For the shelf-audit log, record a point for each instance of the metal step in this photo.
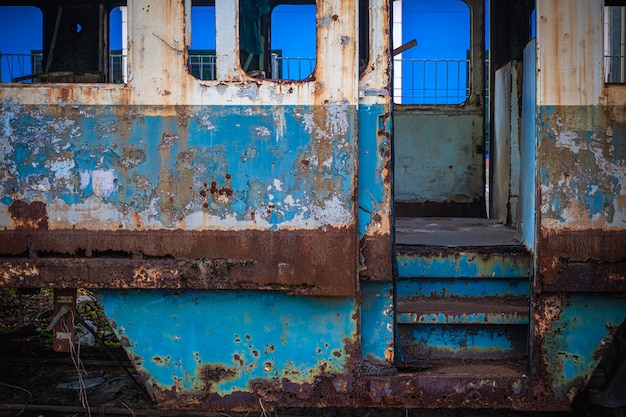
(462, 292)
(462, 312)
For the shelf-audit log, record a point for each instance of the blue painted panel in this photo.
(468, 288)
(582, 150)
(576, 336)
(528, 148)
(377, 321)
(374, 154)
(463, 265)
(270, 165)
(464, 318)
(183, 339)
(431, 341)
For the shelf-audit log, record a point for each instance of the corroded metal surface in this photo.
(286, 351)
(582, 241)
(431, 262)
(569, 336)
(375, 147)
(108, 171)
(149, 183)
(180, 259)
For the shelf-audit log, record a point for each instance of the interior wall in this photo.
(505, 160)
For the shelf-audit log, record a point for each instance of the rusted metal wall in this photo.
(375, 149)
(582, 154)
(251, 183)
(580, 239)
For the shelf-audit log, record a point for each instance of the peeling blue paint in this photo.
(463, 265)
(574, 338)
(377, 316)
(277, 165)
(180, 338)
(373, 157)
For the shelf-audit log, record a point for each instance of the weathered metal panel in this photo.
(375, 148)
(582, 241)
(438, 156)
(470, 288)
(505, 160)
(232, 350)
(459, 263)
(570, 52)
(570, 334)
(168, 153)
(456, 342)
(377, 321)
(89, 179)
(528, 150)
(461, 311)
(200, 349)
(374, 197)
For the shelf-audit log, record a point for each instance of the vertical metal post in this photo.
(63, 324)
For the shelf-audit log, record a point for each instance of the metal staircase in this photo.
(462, 293)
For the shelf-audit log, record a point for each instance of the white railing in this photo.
(292, 68)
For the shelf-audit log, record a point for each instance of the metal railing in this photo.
(292, 68)
(19, 65)
(432, 81)
(423, 81)
(202, 66)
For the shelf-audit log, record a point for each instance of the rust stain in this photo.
(589, 260)
(29, 216)
(179, 259)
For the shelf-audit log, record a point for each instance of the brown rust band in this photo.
(377, 253)
(315, 262)
(590, 260)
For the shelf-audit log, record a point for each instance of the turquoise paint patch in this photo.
(580, 151)
(372, 161)
(464, 265)
(451, 340)
(186, 338)
(583, 325)
(377, 320)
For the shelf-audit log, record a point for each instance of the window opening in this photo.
(437, 69)
(293, 57)
(615, 44)
(201, 53)
(70, 43)
(364, 35)
(21, 43)
(118, 44)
